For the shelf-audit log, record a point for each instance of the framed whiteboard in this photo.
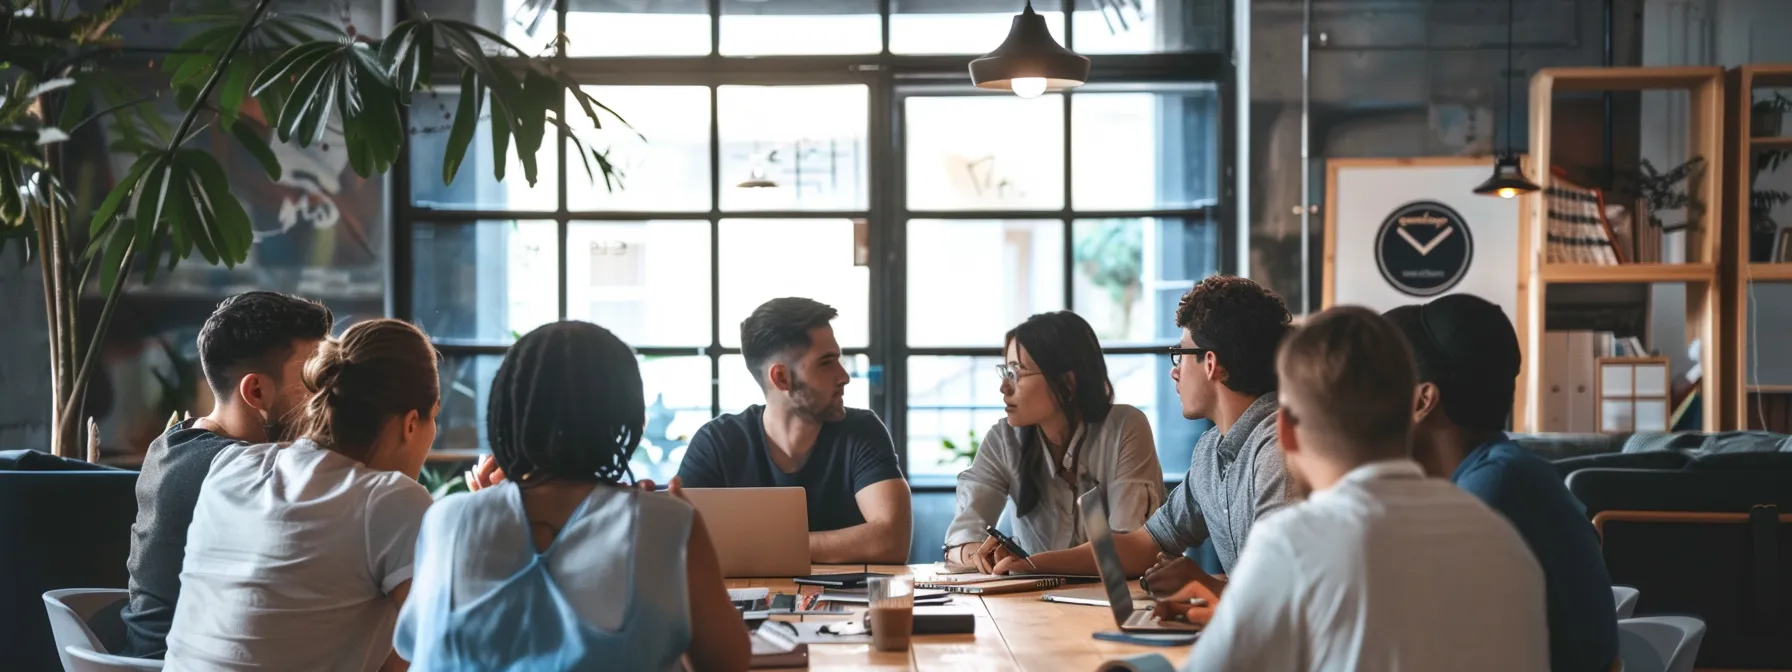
(1403, 231)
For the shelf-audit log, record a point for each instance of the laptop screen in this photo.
(1094, 507)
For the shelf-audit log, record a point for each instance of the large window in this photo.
(829, 149)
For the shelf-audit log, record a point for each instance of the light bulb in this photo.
(1507, 192)
(1028, 87)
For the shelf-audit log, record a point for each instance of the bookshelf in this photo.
(1740, 272)
(1704, 239)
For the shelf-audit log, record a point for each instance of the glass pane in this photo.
(739, 390)
(528, 24)
(646, 281)
(794, 147)
(466, 388)
(1615, 416)
(487, 282)
(1614, 380)
(1136, 150)
(1130, 274)
(677, 393)
(1651, 416)
(958, 26)
(970, 281)
(785, 27)
(1651, 381)
(985, 152)
(1143, 381)
(763, 259)
(637, 27)
(950, 399)
(663, 152)
(473, 187)
(1146, 26)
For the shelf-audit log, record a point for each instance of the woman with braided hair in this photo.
(300, 555)
(555, 563)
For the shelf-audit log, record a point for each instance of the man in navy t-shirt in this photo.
(1468, 359)
(805, 436)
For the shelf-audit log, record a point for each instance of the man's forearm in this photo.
(874, 542)
(1138, 552)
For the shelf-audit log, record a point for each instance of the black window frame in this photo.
(889, 78)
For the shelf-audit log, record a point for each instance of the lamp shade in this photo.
(1508, 179)
(1030, 54)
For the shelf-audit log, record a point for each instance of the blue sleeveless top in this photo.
(609, 593)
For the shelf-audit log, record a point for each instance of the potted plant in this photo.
(303, 74)
(1768, 115)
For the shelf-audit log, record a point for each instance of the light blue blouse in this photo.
(609, 592)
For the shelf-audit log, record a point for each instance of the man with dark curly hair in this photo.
(1225, 372)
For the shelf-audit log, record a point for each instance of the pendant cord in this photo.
(1509, 74)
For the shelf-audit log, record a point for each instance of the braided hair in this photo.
(567, 403)
(377, 370)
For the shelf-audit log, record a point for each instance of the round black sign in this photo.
(1424, 248)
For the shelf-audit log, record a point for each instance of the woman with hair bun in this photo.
(563, 566)
(300, 555)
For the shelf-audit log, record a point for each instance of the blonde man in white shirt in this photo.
(1380, 568)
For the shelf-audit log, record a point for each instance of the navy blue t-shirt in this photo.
(730, 452)
(1583, 622)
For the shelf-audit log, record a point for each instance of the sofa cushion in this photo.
(1661, 459)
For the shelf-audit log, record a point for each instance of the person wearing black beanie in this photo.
(1468, 361)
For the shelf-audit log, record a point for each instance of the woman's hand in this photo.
(484, 475)
(1194, 603)
(674, 487)
(994, 558)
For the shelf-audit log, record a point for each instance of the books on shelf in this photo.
(1576, 230)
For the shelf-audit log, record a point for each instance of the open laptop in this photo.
(758, 532)
(1094, 507)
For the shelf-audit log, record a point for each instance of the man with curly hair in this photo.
(1225, 372)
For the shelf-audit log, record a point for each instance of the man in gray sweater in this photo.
(1224, 370)
(253, 350)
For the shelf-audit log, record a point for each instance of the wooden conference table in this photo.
(1014, 632)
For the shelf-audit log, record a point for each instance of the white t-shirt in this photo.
(290, 558)
(1386, 570)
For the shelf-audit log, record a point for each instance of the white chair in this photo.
(1659, 643)
(73, 612)
(1625, 597)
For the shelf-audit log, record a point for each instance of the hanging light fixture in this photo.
(1030, 62)
(1508, 177)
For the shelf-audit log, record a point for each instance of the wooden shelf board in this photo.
(1770, 144)
(1780, 272)
(1626, 273)
(1775, 76)
(452, 456)
(1628, 79)
(1770, 389)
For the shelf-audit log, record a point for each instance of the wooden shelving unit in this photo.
(1702, 276)
(1739, 271)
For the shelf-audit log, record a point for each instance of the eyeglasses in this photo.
(1012, 372)
(1176, 353)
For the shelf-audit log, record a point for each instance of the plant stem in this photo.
(124, 267)
(54, 325)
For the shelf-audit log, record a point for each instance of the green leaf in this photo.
(500, 143)
(291, 64)
(231, 94)
(258, 148)
(50, 86)
(466, 117)
(109, 207)
(114, 256)
(229, 222)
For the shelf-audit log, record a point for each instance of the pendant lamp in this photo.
(1030, 62)
(1508, 177)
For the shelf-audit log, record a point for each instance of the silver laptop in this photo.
(758, 532)
(1094, 507)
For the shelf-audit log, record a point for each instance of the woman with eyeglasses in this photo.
(1062, 436)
